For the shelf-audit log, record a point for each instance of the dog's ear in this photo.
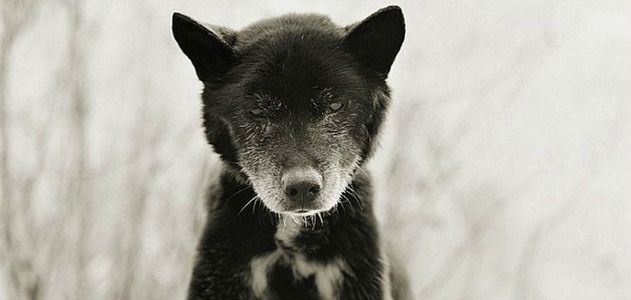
(209, 48)
(376, 40)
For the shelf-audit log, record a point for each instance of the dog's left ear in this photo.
(376, 40)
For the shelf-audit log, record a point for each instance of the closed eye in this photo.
(335, 106)
(257, 112)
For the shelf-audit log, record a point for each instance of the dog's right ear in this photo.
(211, 55)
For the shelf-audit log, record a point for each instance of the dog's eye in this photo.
(257, 112)
(335, 106)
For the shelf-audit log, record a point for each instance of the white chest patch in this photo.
(328, 277)
(259, 268)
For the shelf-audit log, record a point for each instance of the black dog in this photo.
(293, 106)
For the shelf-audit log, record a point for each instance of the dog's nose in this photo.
(302, 185)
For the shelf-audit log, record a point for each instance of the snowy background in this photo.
(504, 170)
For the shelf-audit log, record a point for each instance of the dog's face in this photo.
(294, 102)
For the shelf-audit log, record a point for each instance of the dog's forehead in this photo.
(295, 67)
(296, 61)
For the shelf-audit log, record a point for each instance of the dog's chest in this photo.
(287, 274)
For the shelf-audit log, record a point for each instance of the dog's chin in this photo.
(300, 212)
(314, 209)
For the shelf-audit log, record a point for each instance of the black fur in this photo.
(268, 93)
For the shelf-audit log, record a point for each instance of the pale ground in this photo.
(504, 171)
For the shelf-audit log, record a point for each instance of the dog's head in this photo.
(294, 102)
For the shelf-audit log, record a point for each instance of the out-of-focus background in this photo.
(504, 170)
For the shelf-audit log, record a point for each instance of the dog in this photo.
(293, 106)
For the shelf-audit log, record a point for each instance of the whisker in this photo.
(341, 205)
(346, 200)
(351, 189)
(363, 171)
(246, 204)
(354, 195)
(237, 192)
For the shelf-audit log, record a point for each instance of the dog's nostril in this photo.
(314, 190)
(293, 192)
